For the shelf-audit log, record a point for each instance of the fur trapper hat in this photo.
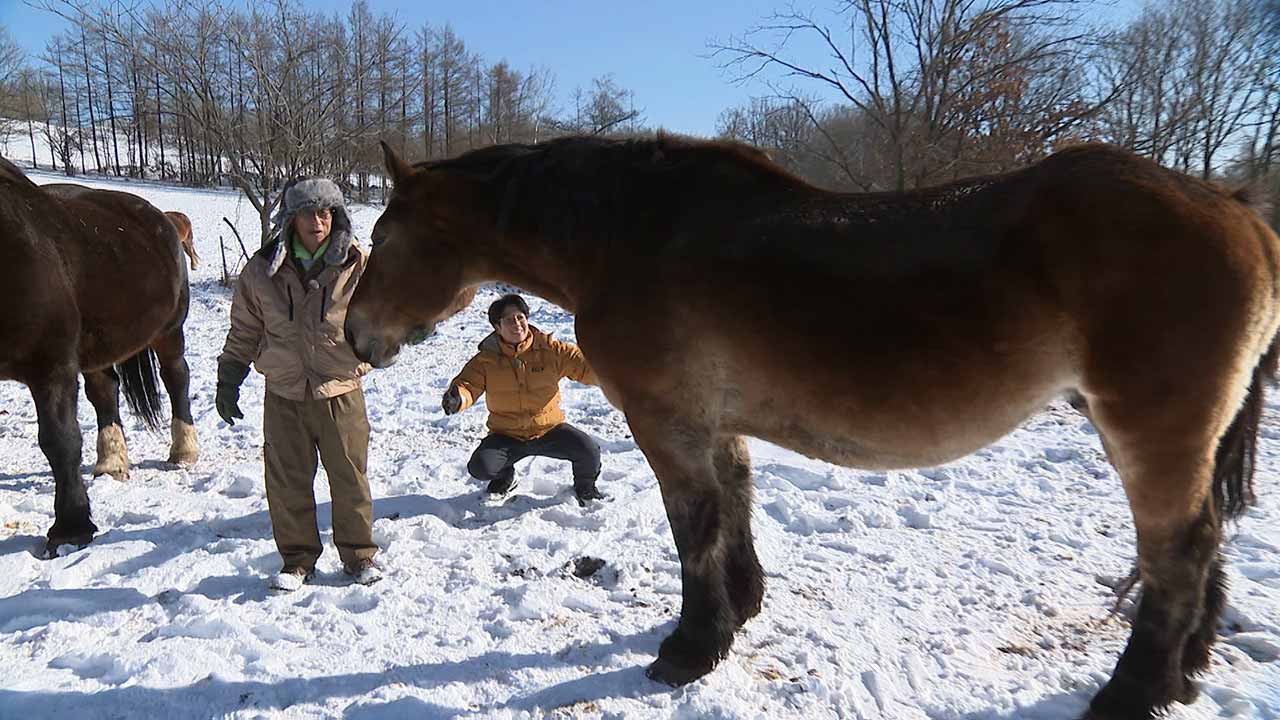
(311, 194)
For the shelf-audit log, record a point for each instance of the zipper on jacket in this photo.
(324, 299)
(289, 289)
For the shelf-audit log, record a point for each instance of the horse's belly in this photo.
(877, 449)
(929, 428)
(105, 341)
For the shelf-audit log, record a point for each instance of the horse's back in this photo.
(900, 330)
(13, 174)
(125, 260)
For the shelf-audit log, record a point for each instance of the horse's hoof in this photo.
(79, 541)
(185, 459)
(185, 448)
(665, 671)
(117, 473)
(1116, 701)
(113, 454)
(1190, 692)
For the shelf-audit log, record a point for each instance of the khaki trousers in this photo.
(293, 432)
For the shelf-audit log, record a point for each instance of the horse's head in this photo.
(419, 269)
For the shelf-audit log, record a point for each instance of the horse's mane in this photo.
(562, 185)
(605, 156)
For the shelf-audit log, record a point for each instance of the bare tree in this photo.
(1190, 78)
(13, 63)
(1143, 67)
(606, 108)
(930, 77)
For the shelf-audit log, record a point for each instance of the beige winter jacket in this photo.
(289, 323)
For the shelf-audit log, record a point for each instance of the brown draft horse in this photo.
(718, 296)
(99, 287)
(183, 225)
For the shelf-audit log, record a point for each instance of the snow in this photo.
(980, 589)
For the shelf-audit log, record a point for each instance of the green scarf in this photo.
(306, 257)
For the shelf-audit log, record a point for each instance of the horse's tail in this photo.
(1237, 455)
(139, 378)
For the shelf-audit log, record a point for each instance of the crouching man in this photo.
(521, 368)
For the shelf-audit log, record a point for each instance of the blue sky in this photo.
(655, 48)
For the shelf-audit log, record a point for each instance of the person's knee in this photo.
(485, 465)
(587, 455)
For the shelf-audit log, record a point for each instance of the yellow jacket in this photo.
(523, 382)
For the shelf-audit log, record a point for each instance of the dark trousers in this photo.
(497, 455)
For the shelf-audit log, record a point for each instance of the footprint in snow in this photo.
(359, 601)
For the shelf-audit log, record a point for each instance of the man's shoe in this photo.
(500, 486)
(587, 491)
(364, 571)
(291, 578)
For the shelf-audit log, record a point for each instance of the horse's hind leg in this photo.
(102, 387)
(681, 457)
(170, 349)
(743, 576)
(1166, 468)
(1195, 655)
(59, 435)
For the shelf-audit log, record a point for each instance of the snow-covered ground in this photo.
(980, 589)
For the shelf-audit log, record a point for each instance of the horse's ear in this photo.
(398, 169)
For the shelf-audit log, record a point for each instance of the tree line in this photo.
(927, 91)
(879, 95)
(206, 92)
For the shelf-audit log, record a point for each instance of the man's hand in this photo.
(227, 398)
(452, 401)
(227, 403)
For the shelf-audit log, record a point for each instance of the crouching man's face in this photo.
(513, 328)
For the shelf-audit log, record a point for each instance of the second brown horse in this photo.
(182, 224)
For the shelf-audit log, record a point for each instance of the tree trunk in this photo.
(88, 85)
(111, 104)
(164, 169)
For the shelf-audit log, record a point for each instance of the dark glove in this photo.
(452, 401)
(227, 399)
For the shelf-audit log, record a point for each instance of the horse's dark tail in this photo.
(139, 378)
(1237, 455)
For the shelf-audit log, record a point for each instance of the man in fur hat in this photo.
(287, 319)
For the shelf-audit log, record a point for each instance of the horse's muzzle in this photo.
(375, 352)
(420, 334)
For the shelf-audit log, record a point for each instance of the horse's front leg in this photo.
(681, 455)
(102, 387)
(59, 436)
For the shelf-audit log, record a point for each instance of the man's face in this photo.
(513, 328)
(312, 226)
